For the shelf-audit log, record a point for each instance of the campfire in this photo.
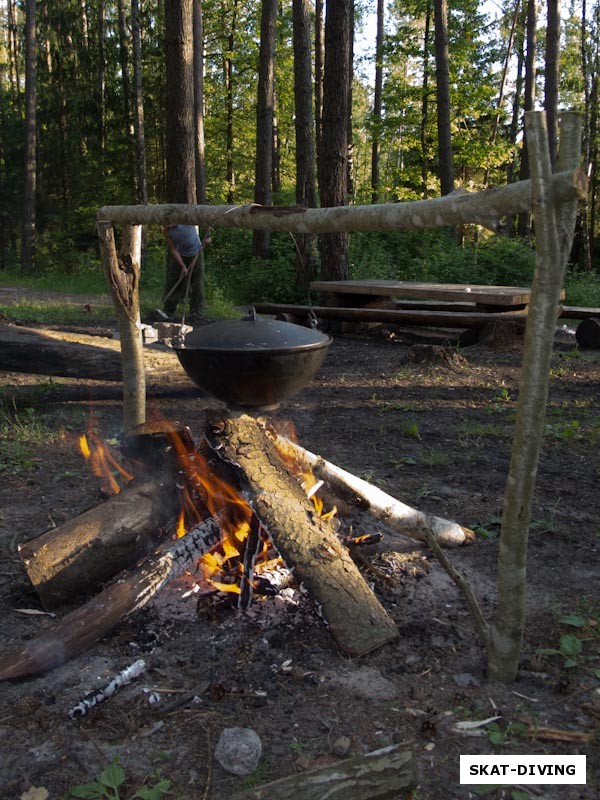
(240, 515)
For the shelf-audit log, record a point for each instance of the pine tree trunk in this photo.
(199, 103)
(442, 73)
(425, 104)
(524, 225)
(377, 105)
(29, 215)
(305, 136)
(551, 75)
(264, 119)
(181, 177)
(319, 68)
(333, 167)
(138, 92)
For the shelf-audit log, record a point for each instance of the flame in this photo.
(102, 462)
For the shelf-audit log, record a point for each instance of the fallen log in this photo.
(321, 564)
(402, 518)
(384, 774)
(44, 353)
(79, 629)
(84, 552)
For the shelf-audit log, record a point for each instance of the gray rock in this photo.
(238, 750)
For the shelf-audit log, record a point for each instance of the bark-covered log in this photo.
(81, 628)
(43, 353)
(442, 319)
(355, 617)
(402, 518)
(90, 549)
(485, 208)
(385, 774)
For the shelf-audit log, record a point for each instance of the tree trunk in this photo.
(551, 73)
(101, 87)
(126, 83)
(425, 104)
(264, 120)
(138, 117)
(181, 178)
(319, 69)
(29, 202)
(524, 225)
(305, 136)
(442, 72)
(333, 168)
(199, 103)
(377, 105)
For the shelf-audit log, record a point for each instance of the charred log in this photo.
(81, 628)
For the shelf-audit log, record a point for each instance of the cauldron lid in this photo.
(253, 333)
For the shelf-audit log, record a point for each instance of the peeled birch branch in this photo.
(402, 518)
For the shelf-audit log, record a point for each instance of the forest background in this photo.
(91, 112)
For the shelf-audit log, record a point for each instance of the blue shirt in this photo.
(186, 239)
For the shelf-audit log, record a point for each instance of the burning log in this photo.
(386, 773)
(321, 564)
(84, 552)
(402, 518)
(89, 623)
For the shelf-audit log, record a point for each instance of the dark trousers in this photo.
(178, 294)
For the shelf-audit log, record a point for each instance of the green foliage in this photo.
(109, 786)
(571, 646)
(21, 434)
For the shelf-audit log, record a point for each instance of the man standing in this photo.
(184, 275)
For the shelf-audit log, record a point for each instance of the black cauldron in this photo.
(252, 363)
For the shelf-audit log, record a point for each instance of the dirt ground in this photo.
(436, 436)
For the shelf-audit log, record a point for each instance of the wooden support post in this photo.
(123, 278)
(507, 632)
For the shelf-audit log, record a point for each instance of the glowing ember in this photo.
(102, 462)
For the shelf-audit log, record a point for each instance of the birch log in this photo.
(402, 518)
(484, 208)
(123, 276)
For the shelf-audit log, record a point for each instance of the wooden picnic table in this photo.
(361, 293)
